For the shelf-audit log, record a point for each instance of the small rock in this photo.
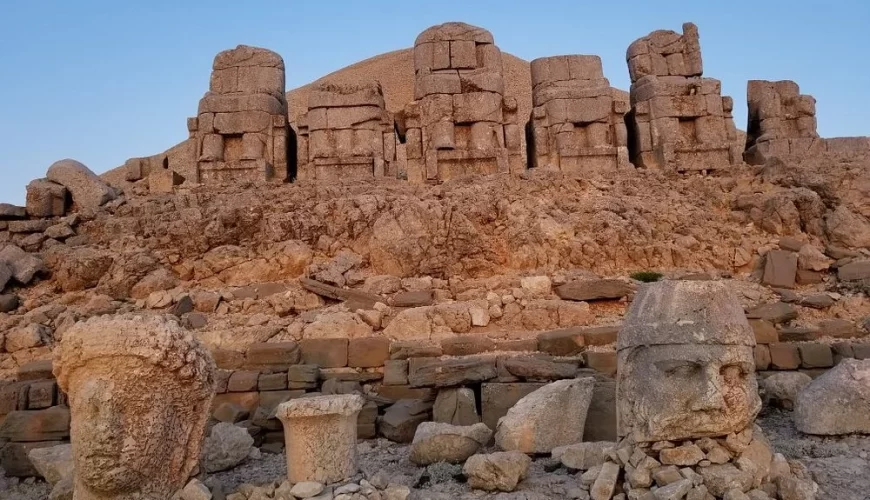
(53, 463)
(605, 483)
(673, 491)
(195, 490)
(781, 389)
(497, 471)
(583, 456)
(226, 447)
(439, 442)
(681, 455)
(8, 302)
(306, 489)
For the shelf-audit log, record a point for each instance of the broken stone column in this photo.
(678, 121)
(578, 120)
(781, 121)
(139, 390)
(320, 437)
(241, 131)
(460, 122)
(346, 134)
(685, 364)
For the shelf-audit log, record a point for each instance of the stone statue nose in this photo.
(711, 397)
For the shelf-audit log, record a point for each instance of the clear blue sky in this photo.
(103, 81)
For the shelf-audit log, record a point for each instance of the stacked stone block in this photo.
(346, 134)
(241, 131)
(578, 120)
(460, 122)
(781, 121)
(678, 120)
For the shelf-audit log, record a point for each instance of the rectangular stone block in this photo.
(272, 381)
(396, 372)
(765, 332)
(463, 54)
(42, 394)
(604, 362)
(276, 356)
(325, 353)
(431, 372)
(368, 352)
(396, 392)
(816, 355)
(39, 425)
(14, 459)
(762, 357)
(247, 401)
(498, 398)
(780, 269)
(35, 370)
(243, 381)
(303, 376)
(437, 83)
(784, 356)
(440, 55)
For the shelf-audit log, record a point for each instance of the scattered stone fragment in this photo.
(500, 471)
(456, 406)
(836, 402)
(596, 289)
(583, 456)
(195, 490)
(54, 463)
(605, 483)
(552, 416)
(226, 447)
(399, 422)
(684, 455)
(306, 489)
(438, 442)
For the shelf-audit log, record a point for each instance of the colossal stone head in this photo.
(685, 364)
(139, 392)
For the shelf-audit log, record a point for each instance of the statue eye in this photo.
(679, 368)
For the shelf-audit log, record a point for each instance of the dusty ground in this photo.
(839, 465)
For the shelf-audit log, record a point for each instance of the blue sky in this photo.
(103, 81)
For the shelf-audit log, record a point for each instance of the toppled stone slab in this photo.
(500, 471)
(776, 312)
(854, 271)
(399, 422)
(12, 212)
(597, 289)
(25, 266)
(439, 442)
(780, 269)
(429, 372)
(583, 456)
(87, 189)
(354, 299)
(552, 416)
(838, 402)
(456, 406)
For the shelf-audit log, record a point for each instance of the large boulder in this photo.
(88, 190)
(781, 389)
(46, 199)
(838, 402)
(500, 471)
(24, 266)
(437, 442)
(226, 447)
(54, 463)
(552, 416)
(80, 268)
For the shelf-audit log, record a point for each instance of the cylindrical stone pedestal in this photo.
(320, 437)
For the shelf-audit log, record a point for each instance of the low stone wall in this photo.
(405, 382)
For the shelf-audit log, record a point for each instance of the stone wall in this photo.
(578, 122)
(678, 119)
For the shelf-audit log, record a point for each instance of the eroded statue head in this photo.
(685, 362)
(139, 391)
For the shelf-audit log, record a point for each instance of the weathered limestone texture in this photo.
(578, 122)
(320, 435)
(130, 441)
(837, 402)
(678, 120)
(241, 131)
(346, 134)
(460, 122)
(685, 363)
(781, 121)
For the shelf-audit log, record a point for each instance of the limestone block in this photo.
(253, 146)
(352, 117)
(489, 57)
(224, 81)
(87, 190)
(440, 55)
(454, 31)
(439, 442)
(320, 436)
(332, 95)
(54, 463)
(477, 107)
(424, 55)
(235, 103)
(437, 83)
(836, 402)
(226, 447)
(780, 269)
(41, 425)
(456, 407)
(463, 54)
(482, 80)
(46, 199)
(242, 122)
(163, 181)
(259, 79)
(552, 416)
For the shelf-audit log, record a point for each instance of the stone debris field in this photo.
(463, 288)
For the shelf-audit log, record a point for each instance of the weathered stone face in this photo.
(128, 440)
(685, 364)
(673, 392)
